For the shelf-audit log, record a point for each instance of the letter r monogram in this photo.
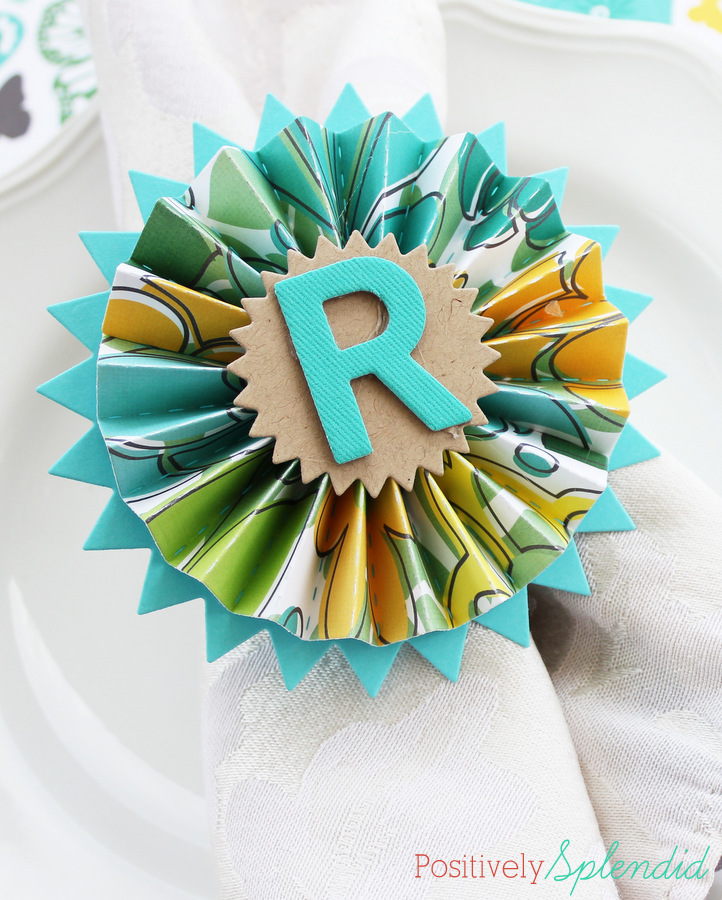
(329, 370)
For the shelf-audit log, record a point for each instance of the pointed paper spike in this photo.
(348, 110)
(149, 188)
(109, 249)
(443, 649)
(274, 118)
(424, 120)
(494, 142)
(296, 657)
(83, 317)
(607, 514)
(557, 181)
(510, 619)
(631, 447)
(118, 528)
(371, 664)
(206, 143)
(74, 389)
(639, 376)
(226, 630)
(165, 586)
(628, 302)
(87, 461)
(566, 573)
(604, 235)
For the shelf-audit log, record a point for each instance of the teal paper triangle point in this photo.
(639, 376)
(629, 303)
(371, 664)
(443, 649)
(86, 461)
(566, 573)
(206, 143)
(118, 528)
(604, 235)
(274, 118)
(226, 630)
(165, 586)
(493, 140)
(510, 619)
(349, 110)
(150, 188)
(109, 249)
(83, 317)
(631, 447)
(557, 181)
(607, 514)
(74, 389)
(296, 657)
(423, 119)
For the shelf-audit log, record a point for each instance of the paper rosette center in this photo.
(363, 363)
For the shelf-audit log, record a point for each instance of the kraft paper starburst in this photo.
(450, 350)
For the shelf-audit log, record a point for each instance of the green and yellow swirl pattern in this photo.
(325, 566)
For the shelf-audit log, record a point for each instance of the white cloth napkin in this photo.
(326, 793)
(166, 64)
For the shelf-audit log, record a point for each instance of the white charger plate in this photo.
(100, 771)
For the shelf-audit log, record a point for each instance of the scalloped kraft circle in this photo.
(165, 585)
(450, 349)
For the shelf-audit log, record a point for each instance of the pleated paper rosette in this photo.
(264, 545)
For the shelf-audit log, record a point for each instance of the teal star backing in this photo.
(119, 528)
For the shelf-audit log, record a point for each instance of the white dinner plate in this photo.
(100, 769)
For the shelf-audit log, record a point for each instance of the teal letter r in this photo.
(330, 370)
